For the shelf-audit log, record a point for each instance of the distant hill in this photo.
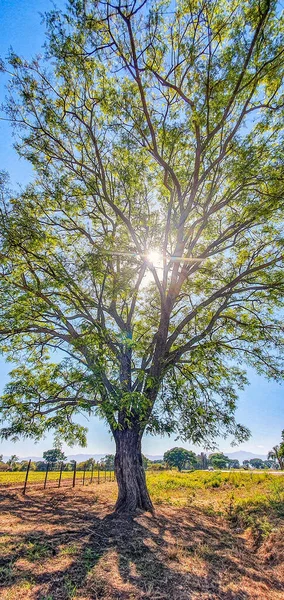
(240, 455)
(77, 457)
(243, 455)
(82, 457)
(154, 456)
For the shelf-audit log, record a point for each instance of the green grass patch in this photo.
(245, 499)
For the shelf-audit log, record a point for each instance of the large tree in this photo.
(142, 267)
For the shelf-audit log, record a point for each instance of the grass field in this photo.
(214, 536)
(247, 499)
(15, 478)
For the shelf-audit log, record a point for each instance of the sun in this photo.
(154, 257)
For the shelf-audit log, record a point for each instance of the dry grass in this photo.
(65, 544)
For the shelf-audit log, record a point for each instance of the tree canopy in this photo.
(12, 460)
(218, 460)
(234, 463)
(54, 455)
(180, 458)
(108, 462)
(257, 463)
(142, 268)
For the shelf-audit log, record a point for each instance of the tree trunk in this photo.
(130, 475)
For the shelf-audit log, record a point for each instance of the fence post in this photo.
(46, 473)
(84, 475)
(60, 474)
(74, 474)
(92, 473)
(26, 478)
(98, 475)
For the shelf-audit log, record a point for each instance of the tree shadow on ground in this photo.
(67, 546)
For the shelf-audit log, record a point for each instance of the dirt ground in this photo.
(65, 544)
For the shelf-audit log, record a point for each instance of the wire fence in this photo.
(56, 475)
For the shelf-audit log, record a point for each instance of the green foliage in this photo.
(257, 463)
(88, 465)
(54, 455)
(146, 462)
(12, 462)
(259, 511)
(180, 458)
(37, 550)
(234, 464)
(157, 466)
(277, 453)
(108, 462)
(147, 129)
(202, 461)
(219, 461)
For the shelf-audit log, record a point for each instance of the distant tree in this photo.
(89, 463)
(12, 461)
(40, 465)
(180, 457)
(246, 464)
(22, 466)
(157, 466)
(271, 464)
(68, 466)
(276, 456)
(4, 466)
(218, 460)
(234, 464)
(1, 457)
(202, 461)
(108, 462)
(277, 452)
(85, 464)
(54, 455)
(146, 462)
(80, 465)
(257, 463)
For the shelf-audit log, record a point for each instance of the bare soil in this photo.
(66, 544)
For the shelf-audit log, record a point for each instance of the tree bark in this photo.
(130, 475)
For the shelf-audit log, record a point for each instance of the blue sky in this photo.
(260, 405)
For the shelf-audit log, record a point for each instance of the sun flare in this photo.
(154, 257)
